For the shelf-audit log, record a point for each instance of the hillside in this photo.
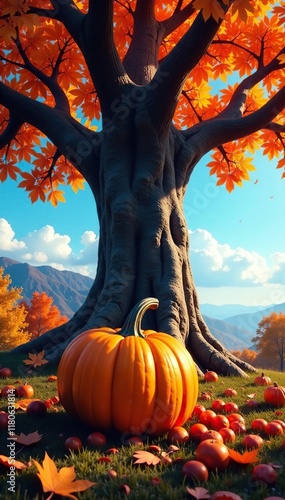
(250, 321)
(69, 290)
(232, 337)
(227, 310)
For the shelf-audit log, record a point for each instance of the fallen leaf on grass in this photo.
(10, 462)
(36, 359)
(60, 482)
(248, 457)
(23, 403)
(145, 457)
(52, 378)
(199, 493)
(27, 439)
(251, 396)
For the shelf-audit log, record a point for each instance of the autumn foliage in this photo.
(40, 59)
(270, 341)
(12, 315)
(42, 314)
(247, 355)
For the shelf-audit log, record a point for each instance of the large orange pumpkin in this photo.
(131, 380)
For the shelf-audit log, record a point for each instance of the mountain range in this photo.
(67, 288)
(233, 325)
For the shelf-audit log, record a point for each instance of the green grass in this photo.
(56, 427)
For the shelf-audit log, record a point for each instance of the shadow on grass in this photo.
(15, 362)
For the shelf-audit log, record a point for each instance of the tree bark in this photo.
(144, 245)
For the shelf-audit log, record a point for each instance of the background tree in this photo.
(247, 355)
(270, 339)
(146, 69)
(12, 315)
(42, 314)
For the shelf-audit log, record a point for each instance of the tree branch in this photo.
(66, 12)
(106, 69)
(220, 130)
(173, 71)
(141, 60)
(14, 125)
(237, 103)
(178, 17)
(50, 81)
(71, 138)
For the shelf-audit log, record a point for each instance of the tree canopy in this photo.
(42, 314)
(231, 72)
(12, 315)
(270, 339)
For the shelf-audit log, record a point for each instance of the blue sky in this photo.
(237, 240)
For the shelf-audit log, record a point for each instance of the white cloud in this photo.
(279, 274)
(8, 243)
(47, 247)
(215, 264)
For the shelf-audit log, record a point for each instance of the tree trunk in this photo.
(144, 245)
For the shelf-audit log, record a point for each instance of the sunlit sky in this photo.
(237, 240)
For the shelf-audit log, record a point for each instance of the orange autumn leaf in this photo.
(145, 457)
(8, 462)
(36, 359)
(27, 439)
(52, 378)
(248, 457)
(60, 482)
(55, 196)
(210, 8)
(23, 403)
(250, 32)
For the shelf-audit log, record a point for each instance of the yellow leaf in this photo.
(281, 58)
(210, 8)
(60, 482)
(55, 196)
(35, 359)
(77, 183)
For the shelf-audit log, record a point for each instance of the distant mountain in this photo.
(67, 288)
(250, 321)
(227, 310)
(70, 289)
(232, 337)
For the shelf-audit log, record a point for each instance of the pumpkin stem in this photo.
(133, 323)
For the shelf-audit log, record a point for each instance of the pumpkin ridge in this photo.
(89, 367)
(131, 404)
(188, 372)
(168, 395)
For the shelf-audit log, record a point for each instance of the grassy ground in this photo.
(56, 426)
